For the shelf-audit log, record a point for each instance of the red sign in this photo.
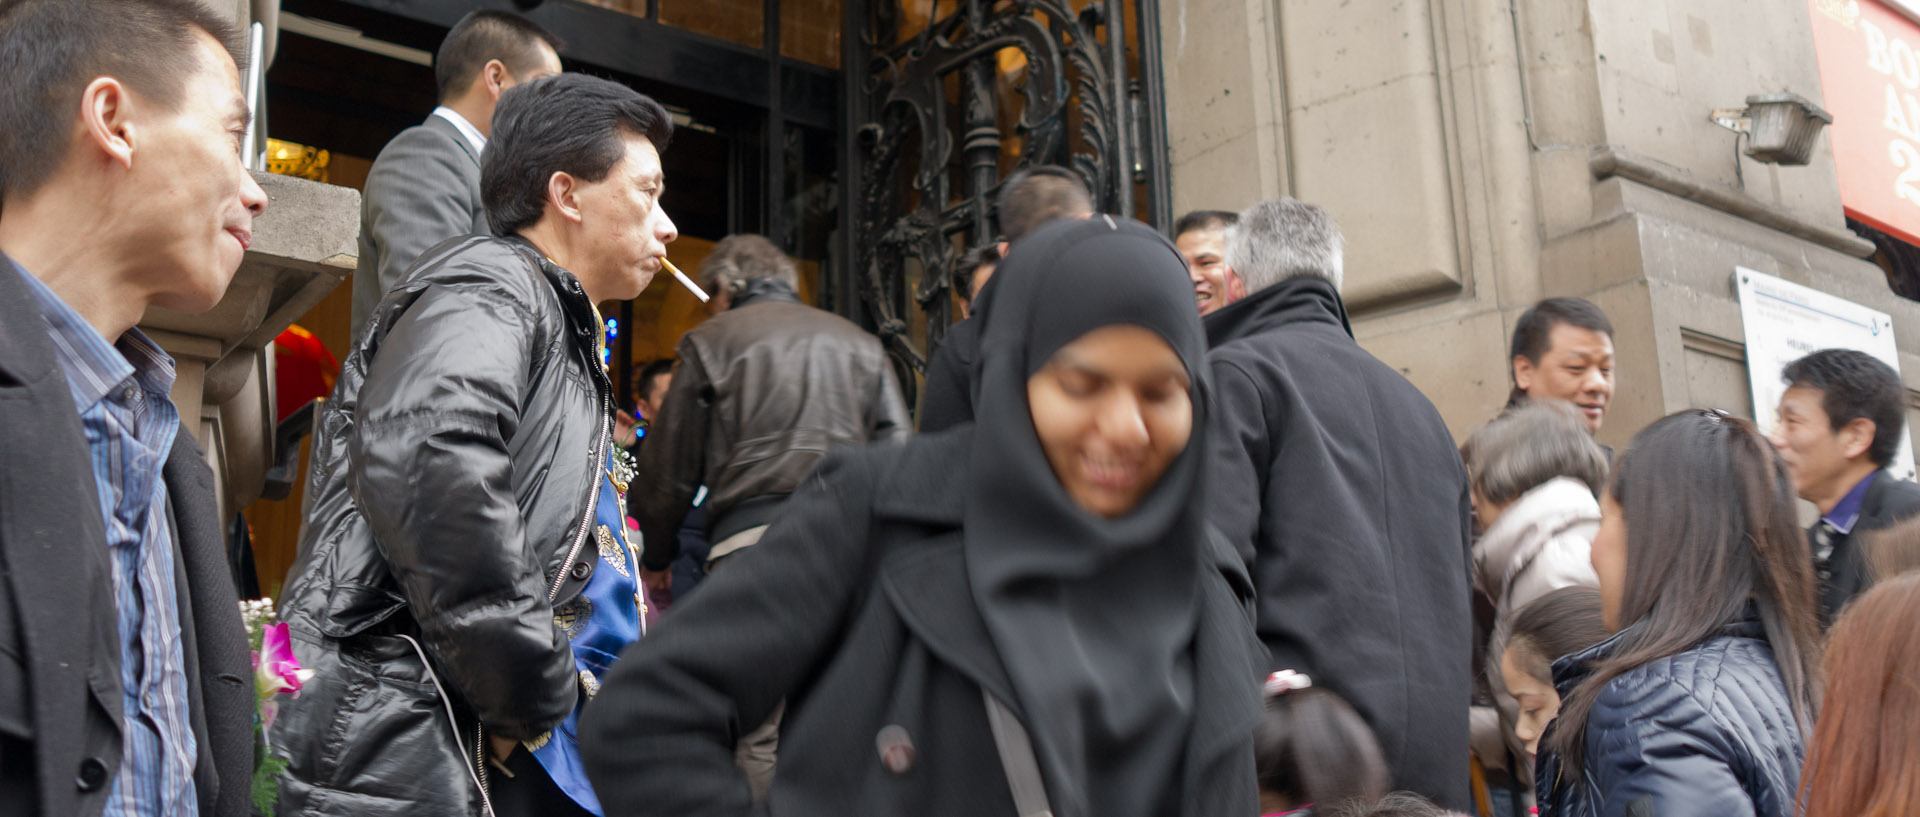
(1870, 70)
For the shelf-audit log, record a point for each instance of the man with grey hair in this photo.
(1340, 486)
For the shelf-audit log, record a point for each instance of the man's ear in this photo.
(106, 113)
(563, 193)
(1523, 372)
(494, 75)
(1856, 437)
(1236, 286)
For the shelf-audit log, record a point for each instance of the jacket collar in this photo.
(766, 289)
(23, 334)
(1874, 507)
(1303, 299)
(1571, 669)
(462, 132)
(583, 321)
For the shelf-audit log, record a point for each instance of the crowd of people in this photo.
(1166, 540)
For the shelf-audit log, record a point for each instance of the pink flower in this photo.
(276, 670)
(279, 670)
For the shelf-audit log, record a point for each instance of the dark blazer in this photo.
(424, 188)
(1342, 489)
(60, 717)
(1707, 732)
(856, 610)
(1888, 501)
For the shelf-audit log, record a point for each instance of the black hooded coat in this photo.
(904, 580)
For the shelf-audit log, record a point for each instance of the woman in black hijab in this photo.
(1025, 614)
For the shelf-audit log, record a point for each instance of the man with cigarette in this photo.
(762, 391)
(465, 576)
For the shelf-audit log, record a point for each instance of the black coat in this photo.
(1707, 732)
(60, 716)
(948, 397)
(1343, 490)
(855, 609)
(1888, 501)
(453, 481)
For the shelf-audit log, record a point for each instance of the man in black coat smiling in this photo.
(1341, 487)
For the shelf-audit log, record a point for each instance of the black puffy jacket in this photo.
(1708, 732)
(453, 480)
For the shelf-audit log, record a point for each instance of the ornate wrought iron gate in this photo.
(929, 122)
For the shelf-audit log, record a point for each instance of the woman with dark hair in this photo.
(1020, 615)
(1700, 702)
(1314, 753)
(1865, 757)
(1559, 623)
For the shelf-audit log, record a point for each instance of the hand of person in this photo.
(502, 748)
(623, 424)
(659, 584)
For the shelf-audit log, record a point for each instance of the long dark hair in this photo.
(1711, 528)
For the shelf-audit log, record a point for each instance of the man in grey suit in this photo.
(424, 187)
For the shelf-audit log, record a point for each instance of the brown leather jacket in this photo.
(760, 393)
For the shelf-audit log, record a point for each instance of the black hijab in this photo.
(1094, 618)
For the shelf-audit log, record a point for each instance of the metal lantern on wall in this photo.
(1780, 128)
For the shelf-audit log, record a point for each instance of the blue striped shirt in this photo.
(121, 393)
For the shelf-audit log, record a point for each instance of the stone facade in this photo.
(1481, 156)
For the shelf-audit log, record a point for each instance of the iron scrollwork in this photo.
(901, 220)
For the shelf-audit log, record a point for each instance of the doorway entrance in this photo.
(867, 138)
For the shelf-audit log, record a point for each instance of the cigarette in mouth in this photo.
(684, 280)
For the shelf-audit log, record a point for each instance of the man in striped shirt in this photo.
(124, 681)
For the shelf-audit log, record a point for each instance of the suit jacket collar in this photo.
(446, 128)
(1300, 300)
(1889, 498)
(22, 330)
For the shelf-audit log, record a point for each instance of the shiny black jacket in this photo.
(453, 480)
(760, 393)
(1707, 732)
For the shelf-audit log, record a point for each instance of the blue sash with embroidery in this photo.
(600, 622)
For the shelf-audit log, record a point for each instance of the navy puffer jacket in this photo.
(1704, 733)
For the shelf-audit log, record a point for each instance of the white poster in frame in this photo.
(1785, 321)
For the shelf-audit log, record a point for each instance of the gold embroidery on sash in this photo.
(612, 553)
(573, 616)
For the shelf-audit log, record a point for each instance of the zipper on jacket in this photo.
(593, 498)
(480, 763)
